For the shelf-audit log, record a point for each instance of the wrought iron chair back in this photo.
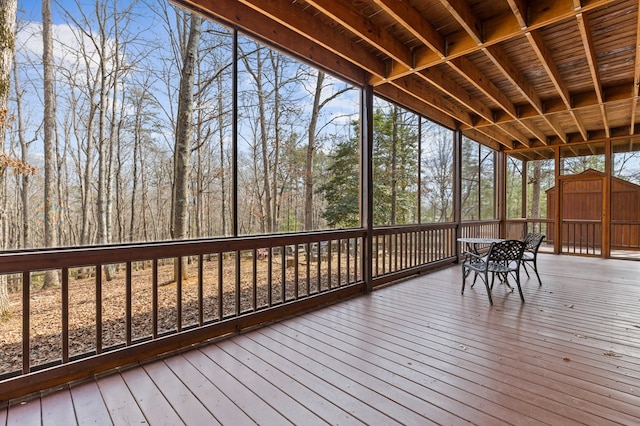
(532, 242)
(502, 259)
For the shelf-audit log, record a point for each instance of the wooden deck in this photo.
(413, 353)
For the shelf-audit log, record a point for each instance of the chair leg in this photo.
(506, 281)
(518, 283)
(464, 279)
(535, 269)
(486, 284)
(524, 265)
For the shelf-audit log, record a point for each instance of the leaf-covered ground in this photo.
(45, 316)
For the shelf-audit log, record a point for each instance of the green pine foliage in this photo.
(395, 173)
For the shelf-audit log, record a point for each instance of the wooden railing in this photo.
(583, 237)
(120, 304)
(405, 250)
(518, 228)
(480, 229)
(625, 234)
(116, 305)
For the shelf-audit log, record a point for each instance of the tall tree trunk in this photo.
(24, 153)
(137, 136)
(7, 46)
(311, 146)
(223, 195)
(50, 234)
(394, 161)
(264, 149)
(277, 112)
(184, 135)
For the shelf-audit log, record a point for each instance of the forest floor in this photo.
(45, 313)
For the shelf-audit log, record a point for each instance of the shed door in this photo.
(581, 216)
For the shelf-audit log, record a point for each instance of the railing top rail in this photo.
(57, 258)
(386, 230)
(479, 222)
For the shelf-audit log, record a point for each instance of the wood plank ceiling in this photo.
(508, 73)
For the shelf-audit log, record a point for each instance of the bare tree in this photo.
(24, 144)
(7, 46)
(50, 219)
(318, 105)
(184, 133)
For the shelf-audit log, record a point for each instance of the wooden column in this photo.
(557, 216)
(500, 188)
(234, 135)
(523, 189)
(606, 200)
(457, 186)
(366, 183)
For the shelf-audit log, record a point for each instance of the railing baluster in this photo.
(26, 340)
(339, 262)
(154, 296)
(270, 277)
(98, 276)
(65, 314)
(318, 265)
(296, 258)
(283, 284)
(238, 283)
(200, 289)
(128, 310)
(254, 286)
(348, 260)
(220, 286)
(329, 260)
(179, 293)
(308, 280)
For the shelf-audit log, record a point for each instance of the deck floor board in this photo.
(417, 352)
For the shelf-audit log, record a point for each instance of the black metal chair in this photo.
(502, 259)
(532, 243)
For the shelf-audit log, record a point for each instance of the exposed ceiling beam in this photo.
(412, 20)
(547, 62)
(426, 94)
(446, 85)
(297, 20)
(254, 22)
(362, 27)
(504, 64)
(519, 9)
(587, 42)
(544, 56)
(498, 29)
(484, 138)
(393, 92)
(475, 77)
(461, 10)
